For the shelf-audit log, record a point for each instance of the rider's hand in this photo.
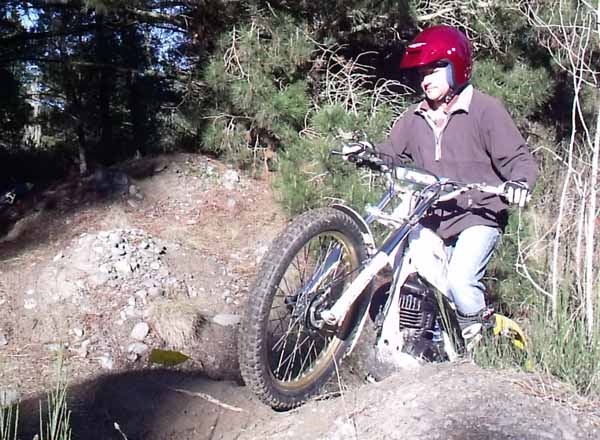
(516, 193)
(356, 148)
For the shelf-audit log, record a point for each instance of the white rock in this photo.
(3, 340)
(58, 257)
(82, 351)
(56, 347)
(227, 320)
(138, 348)
(78, 332)
(140, 331)
(142, 294)
(230, 179)
(98, 279)
(123, 266)
(118, 251)
(132, 312)
(106, 362)
(30, 292)
(154, 292)
(30, 303)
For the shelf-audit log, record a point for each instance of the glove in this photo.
(356, 148)
(516, 193)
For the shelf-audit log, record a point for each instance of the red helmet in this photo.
(441, 44)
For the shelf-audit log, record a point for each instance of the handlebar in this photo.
(370, 158)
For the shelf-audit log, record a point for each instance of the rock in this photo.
(98, 279)
(56, 347)
(142, 295)
(106, 362)
(140, 331)
(139, 348)
(118, 251)
(82, 351)
(260, 252)
(123, 266)
(30, 303)
(132, 312)
(227, 320)
(58, 256)
(154, 292)
(230, 179)
(231, 204)
(3, 339)
(78, 332)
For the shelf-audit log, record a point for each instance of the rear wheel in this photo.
(286, 352)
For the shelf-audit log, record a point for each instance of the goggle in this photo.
(430, 68)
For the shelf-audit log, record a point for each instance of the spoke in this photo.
(291, 291)
(280, 323)
(286, 333)
(283, 349)
(291, 363)
(312, 344)
(293, 353)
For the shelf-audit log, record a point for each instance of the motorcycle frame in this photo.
(387, 254)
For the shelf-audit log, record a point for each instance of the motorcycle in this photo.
(316, 288)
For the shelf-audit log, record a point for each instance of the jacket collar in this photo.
(460, 102)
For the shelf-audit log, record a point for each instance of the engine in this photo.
(418, 306)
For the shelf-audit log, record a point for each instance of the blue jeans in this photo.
(468, 258)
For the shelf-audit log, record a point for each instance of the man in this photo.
(464, 134)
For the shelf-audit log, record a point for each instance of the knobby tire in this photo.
(274, 375)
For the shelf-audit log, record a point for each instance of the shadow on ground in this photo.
(152, 405)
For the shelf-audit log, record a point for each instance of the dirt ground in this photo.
(195, 231)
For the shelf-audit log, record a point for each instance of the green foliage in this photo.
(558, 347)
(257, 95)
(563, 348)
(54, 419)
(310, 176)
(15, 113)
(57, 426)
(522, 88)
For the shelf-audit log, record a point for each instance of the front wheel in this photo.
(286, 352)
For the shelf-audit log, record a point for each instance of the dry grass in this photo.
(177, 322)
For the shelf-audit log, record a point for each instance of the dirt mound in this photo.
(108, 272)
(443, 401)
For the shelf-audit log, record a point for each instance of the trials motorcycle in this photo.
(315, 287)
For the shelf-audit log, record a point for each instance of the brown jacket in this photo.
(479, 143)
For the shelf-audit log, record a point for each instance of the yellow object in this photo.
(507, 327)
